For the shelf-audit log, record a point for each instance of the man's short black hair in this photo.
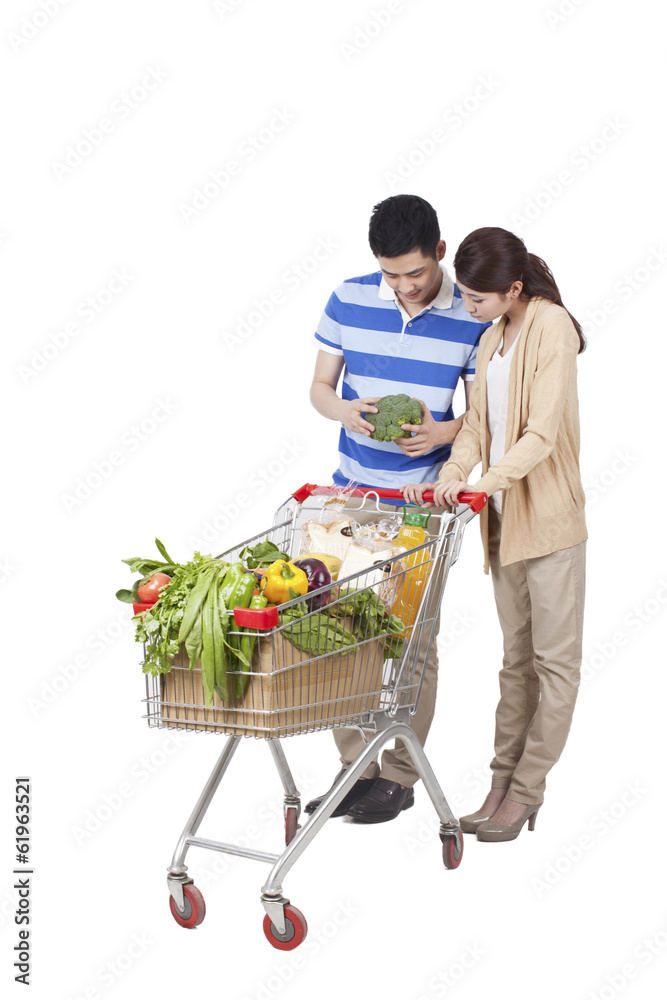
(401, 224)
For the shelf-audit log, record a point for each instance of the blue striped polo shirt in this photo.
(386, 352)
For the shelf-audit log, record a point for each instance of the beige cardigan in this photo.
(543, 498)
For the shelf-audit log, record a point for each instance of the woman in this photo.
(523, 425)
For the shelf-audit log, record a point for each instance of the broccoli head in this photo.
(392, 412)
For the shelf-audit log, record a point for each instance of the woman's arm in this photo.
(467, 449)
(556, 367)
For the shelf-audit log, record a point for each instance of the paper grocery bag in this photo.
(289, 691)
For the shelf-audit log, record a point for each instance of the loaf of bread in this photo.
(333, 538)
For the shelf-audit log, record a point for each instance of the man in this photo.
(402, 329)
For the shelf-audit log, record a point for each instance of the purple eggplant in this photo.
(318, 576)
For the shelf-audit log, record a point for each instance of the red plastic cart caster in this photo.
(194, 908)
(291, 823)
(452, 849)
(296, 929)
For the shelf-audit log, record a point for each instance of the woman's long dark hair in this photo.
(492, 259)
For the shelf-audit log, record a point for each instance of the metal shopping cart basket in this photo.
(371, 681)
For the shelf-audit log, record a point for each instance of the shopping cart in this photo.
(370, 680)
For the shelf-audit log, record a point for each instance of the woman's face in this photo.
(488, 306)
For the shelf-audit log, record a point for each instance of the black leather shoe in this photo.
(359, 788)
(384, 801)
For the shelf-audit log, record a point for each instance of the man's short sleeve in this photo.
(328, 334)
(468, 373)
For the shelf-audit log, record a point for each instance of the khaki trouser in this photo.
(540, 605)
(396, 763)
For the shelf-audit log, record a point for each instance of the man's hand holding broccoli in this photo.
(409, 424)
(351, 412)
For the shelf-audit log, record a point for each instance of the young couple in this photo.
(409, 328)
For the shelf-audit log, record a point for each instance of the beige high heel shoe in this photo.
(496, 832)
(472, 821)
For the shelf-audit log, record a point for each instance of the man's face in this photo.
(415, 278)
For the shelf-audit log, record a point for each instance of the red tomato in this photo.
(149, 590)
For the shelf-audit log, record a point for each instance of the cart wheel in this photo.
(194, 907)
(291, 823)
(452, 851)
(296, 929)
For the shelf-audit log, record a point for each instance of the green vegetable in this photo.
(234, 575)
(240, 597)
(315, 633)
(247, 644)
(159, 627)
(194, 609)
(146, 567)
(196, 600)
(370, 618)
(261, 555)
(213, 663)
(392, 412)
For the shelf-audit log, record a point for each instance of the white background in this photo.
(519, 94)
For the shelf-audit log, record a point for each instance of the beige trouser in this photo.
(540, 606)
(396, 762)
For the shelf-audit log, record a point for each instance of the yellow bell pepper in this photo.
(282, 577)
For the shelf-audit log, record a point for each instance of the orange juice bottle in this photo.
(411, 583)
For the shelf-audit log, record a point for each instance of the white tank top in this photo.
(497, 392)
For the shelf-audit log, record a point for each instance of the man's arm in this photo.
(431, 433)
(326, 401)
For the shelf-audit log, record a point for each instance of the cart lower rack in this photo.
(337, 660)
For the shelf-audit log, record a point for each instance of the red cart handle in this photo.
(476, 501)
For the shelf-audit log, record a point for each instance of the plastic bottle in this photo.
(410, 585)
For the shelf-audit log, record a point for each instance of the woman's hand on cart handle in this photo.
(439, 494)
(449, 491)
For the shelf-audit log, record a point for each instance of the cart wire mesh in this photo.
(340, 665)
